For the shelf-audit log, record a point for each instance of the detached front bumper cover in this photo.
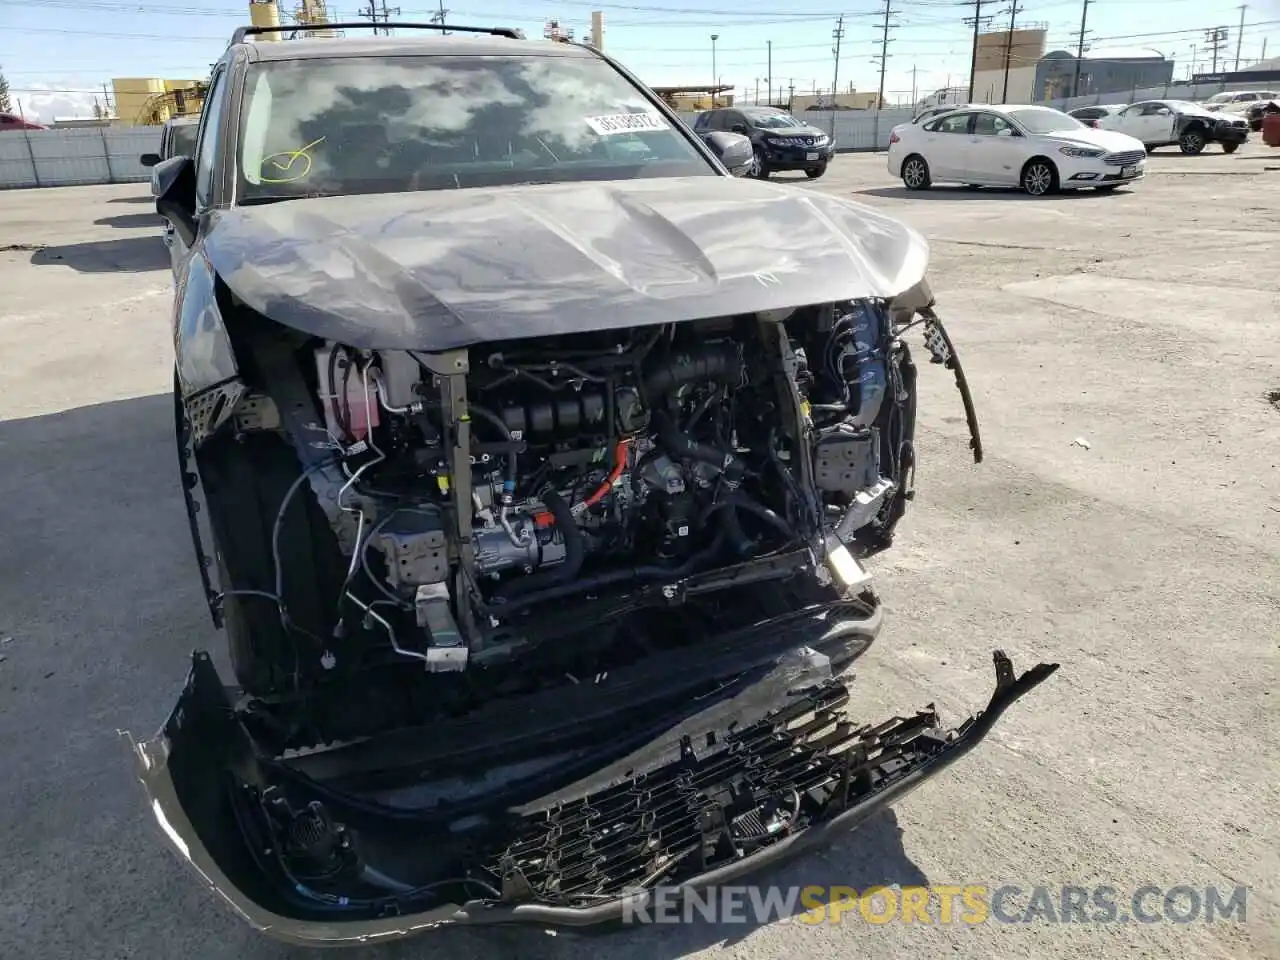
(700, 817)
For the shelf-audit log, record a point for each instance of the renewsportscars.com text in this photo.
(943, 904)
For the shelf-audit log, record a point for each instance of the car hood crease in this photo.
(439, 270)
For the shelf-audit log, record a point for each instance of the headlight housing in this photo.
(1081, 153)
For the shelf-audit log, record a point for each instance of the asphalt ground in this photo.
(1125, 359)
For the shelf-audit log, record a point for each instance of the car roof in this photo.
(181, 121)
(450, 45)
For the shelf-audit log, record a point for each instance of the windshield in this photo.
(772, 121)
(1044, 120)
(182, 140)
(390, 124)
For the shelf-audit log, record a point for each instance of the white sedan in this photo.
(1036, 148)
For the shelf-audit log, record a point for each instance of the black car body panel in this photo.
(1216, 128)
(795, 148)
(674, 788)
(447, 269)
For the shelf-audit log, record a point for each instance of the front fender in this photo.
(209, 381)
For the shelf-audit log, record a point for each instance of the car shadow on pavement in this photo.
(964, 193)
(868, 857)
(143, 199)
(127, 255)
(124, 220)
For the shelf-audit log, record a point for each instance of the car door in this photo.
(945, 141)
(205, 159)
(995, 150)
(1128, 120)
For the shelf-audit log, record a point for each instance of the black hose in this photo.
(574, 553)
(622, 575)
(739, 542)
(492, 418)
(745, 504)
(683, 446)
(713, 361)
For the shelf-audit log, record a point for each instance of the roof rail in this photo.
(241, 33)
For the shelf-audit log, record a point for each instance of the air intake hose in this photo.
(713, 361)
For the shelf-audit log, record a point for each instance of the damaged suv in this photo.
(529, 459)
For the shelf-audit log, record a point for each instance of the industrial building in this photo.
(1005, 63)
(1056, 74)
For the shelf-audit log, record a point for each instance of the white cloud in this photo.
(54, 99)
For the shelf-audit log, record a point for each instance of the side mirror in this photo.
(1004, 132)
(173, 184)
(733, 149)
(740, 128)
(149, 159)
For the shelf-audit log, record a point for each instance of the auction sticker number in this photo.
(627, 123)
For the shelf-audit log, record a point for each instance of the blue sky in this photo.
(57, 52)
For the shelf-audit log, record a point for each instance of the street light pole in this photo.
(769, 95)
(714, 38)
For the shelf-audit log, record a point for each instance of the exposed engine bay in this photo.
(478, 499)
(476, 552)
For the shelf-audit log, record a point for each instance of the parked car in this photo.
(1189, 126)
(177, 139)
(935, 111)
(1091, 115)
(11, 121)
(1037, 148)
(1237, 100)
(780, 141)
(1257, 111)
(529, 458)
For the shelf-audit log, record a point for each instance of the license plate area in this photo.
(1130, 171)
(811, 156)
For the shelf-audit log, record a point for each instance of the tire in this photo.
(1192, 142)
(245, 481)
(1039, 177)
(761, 171)
(813, 173)
(915, 173)
(1230, 147)
(973, 186)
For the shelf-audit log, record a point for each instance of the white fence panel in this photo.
(79, 155)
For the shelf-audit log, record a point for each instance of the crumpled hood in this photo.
(438, 270)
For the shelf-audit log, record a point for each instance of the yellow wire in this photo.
(294, 156)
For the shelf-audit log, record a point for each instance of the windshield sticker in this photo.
(647, 122)
(288, 166)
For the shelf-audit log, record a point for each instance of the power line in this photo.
(837, 34)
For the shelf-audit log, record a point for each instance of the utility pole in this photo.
(769, 44)
(715, 81)
(837, 34)
(439, 17)
(757, 91)
(1216, 38)
(1240, 33)
(1084, 19)
(973, 60)
(386, 15)
(884, 50)
(791, 94)
(1014, 10)
(913, 85)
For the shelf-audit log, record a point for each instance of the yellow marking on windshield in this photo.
(286, 160)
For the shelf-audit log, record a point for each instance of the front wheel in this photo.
(813, 173)
(915, 173)
(760, 166)
(1192, 142)
(1230, 147)
(1039, 178)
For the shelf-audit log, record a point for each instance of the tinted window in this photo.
(182, 140)
(387, 124)
(702, 121)
(1045, 120)
(953, 123)
(990, 125)
(207, 152)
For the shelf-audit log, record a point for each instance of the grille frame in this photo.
(1124, 158)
